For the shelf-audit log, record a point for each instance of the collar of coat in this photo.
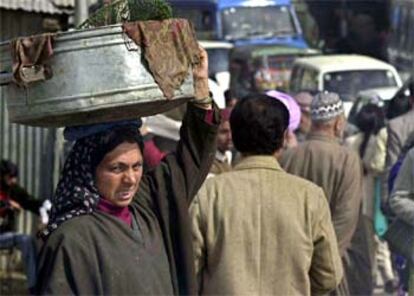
(258, 161)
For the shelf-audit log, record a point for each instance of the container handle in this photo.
(129, 43)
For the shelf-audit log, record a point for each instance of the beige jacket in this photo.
(338, 170)
(260, 231)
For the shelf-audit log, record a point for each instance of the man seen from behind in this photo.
(258, 230)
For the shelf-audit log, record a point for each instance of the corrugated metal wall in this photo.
(34, 150)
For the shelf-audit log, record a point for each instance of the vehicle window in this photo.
(295, 79)
(202, 19)
(309, 80)
(349, 83)
(259, 22)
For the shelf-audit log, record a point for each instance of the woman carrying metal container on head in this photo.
(115, 229)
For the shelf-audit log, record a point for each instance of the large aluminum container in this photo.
(99, 75)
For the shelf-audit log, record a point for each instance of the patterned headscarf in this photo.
(76, 193)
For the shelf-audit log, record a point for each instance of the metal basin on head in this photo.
(99, 75)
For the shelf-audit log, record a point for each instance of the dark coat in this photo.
(93, 254)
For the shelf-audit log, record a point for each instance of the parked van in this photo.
(346, 75)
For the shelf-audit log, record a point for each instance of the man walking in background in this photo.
(14, 198)
(322, 160)
(304, 100)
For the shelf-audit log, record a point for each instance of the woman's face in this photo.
(119, 173)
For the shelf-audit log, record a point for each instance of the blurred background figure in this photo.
(370, 143)
(399, 129)
(304, 100)
(231, 100)
(224, 154)
(13, 199)
(402, 205)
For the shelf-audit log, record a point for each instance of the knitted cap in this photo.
(326, 106)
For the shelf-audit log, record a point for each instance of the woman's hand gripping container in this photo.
(97, 75)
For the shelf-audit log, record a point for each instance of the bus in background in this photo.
(401, 41)
(243, 22)
(266, 36)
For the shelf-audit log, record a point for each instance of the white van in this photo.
(345, 74)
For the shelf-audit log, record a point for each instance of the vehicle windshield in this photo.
(349, 83)
(257, 22)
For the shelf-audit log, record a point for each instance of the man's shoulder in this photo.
(222, 178)
(402, 121)
(242, 177)
(320, 147)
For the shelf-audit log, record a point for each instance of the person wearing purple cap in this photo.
(117, 230)
(294, 116)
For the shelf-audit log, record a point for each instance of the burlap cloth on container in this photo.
(30, 56)
(170, 48)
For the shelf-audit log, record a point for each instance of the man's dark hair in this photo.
(258, 123)
(7, 168)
